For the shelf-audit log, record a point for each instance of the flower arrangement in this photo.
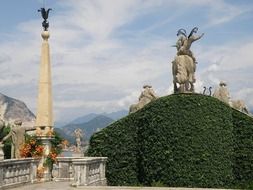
(51, 158)
(32, 148)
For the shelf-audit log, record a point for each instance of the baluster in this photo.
(14, 173)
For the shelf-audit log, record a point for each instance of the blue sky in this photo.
(104, 51)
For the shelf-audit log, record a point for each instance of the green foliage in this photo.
(179, 140)
(117, 142)
(57, 143)
(243, 147)
(7, 143)
(189, 143)
(157, 184)
(56, 149)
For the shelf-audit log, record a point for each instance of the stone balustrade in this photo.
(18, 171)
(86, 171)
(63, 170)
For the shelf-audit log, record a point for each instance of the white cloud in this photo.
(94, 71)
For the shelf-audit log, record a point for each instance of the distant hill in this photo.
(93, 125)
(89, 123)
(61, 132)
(113, 115)
(12, 109)
(84, 118)
(116, 115)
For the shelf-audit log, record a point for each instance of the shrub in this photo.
(118, 143)
(185, 140)
(243, 149)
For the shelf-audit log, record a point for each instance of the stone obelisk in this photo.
(44, 108)
(44, 119)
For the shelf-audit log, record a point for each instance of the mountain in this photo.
(84, 118)
(65, 136)
(116, 115)
(113, 115)
(12, 109)
(95, 124)
(89, 123)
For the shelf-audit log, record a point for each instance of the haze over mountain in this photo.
(12, 109)
(116, 115)
(89, 123)
(84, 118)
(113, 115)
(89, 127)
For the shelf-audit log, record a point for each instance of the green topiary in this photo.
(178, 140)
(117, 142)
(188, 142)
(243, 149)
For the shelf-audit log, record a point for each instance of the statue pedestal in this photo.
(44, 171)
(1, 152)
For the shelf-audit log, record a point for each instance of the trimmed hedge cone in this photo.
(183, 140)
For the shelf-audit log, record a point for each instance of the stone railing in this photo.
(18, 171)
(86, 171)
(63, 170)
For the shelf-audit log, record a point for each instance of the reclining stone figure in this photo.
(147, 95)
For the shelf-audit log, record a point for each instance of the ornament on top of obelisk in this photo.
(45, 14)
(44, 119)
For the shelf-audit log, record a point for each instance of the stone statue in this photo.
(239, 105)
(184, 64)
(187, 42)
(222, 93)
(45, 14)
(147, 95)
(78, 134)
(17, 135)
(181, 33)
